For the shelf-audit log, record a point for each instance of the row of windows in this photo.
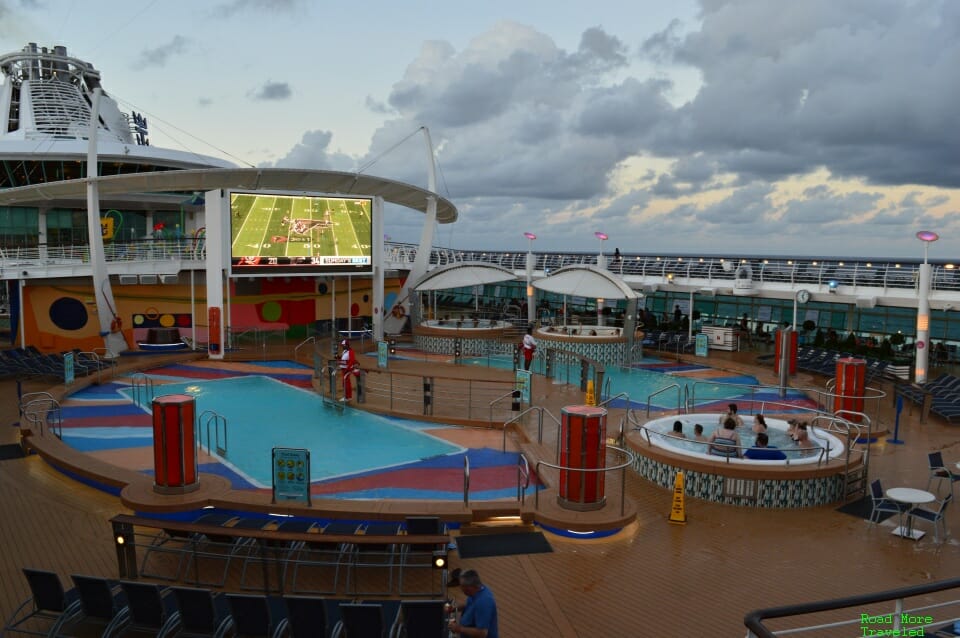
(722, 310)
(20, 226)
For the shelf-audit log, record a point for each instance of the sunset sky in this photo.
(815, 128)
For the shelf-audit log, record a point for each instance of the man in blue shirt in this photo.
(479, 619)
(763, 452)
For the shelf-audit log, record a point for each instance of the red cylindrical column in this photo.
(174, 444)
(793, 352)
(850, 386)
(583, 444)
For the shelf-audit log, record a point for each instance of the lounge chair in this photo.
(309, 616)
(255, 616)
(420, 619)
(102, 602)
(374, 558)
(152, 609)
(203, 614)
(939, 471)
(48, 605)
(316, 560)
(368, 619)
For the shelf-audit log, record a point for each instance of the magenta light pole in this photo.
(531, 307)
(923, 310)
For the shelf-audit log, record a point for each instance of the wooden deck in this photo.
(653, 578)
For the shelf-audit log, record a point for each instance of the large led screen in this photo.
(282, 234)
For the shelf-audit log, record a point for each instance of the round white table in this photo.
(912, 497)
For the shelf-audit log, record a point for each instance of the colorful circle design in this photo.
(355, 310)
(138, 320)
(151, 313)
(167, 321)
(271, 311)
(68, 313)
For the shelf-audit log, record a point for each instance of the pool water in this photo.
(263, 413)
(639, 383)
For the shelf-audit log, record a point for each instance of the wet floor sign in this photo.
(678, 514)
(591, 396)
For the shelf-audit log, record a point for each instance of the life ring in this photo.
(398, 312)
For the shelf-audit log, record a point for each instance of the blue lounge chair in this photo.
(203, 614)
(421, 619)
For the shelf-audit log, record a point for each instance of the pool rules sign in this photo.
(291, 475)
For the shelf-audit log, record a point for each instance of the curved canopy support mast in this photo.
(111, 325)
(394, 320)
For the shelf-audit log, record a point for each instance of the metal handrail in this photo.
(523, 478)
(466, 481)
(301, 344)
(726, 459)
(216, 419)
(756, 629)
(661, 391)
(141, 382)
(496, 401)
(40, 408)
(622, 467)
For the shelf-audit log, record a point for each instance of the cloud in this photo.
(312, 152)
(159, 56)
(861, 88)
(273, 91)
(230, 9)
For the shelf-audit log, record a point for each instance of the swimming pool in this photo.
(639, 382)
(263, 413)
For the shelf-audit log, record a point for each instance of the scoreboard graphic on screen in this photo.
(284, 234)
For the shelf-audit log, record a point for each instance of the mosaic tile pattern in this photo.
(447, 345)
(768, 493)
(609, 353)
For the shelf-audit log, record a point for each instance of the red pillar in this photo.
(583, 444)
(174, 444)
(850, 385)
(792, 352)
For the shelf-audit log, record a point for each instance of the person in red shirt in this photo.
(348, 362)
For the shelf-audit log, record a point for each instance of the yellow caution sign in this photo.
(591, 397)
(678, 513)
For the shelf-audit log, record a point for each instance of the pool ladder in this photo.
(141, 389)
(207, 419)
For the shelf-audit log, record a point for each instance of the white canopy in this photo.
(463, 274)
(586, 281)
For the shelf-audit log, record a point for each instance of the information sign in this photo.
(383, 348)
(68, 372)
(291, 475)
(524, 383)
(702, 344)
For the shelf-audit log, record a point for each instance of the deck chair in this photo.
(420, 619)
(270, 552)
(203, 614)
(934, 516)
(309, 616)
(178, 544)
(882, 504)
(940, 472)
(212, 548)
(255, 616)
(418, 557)
(152, 609)
(48, 605)
(316, 568)
(373, 559)
(366, 620)
(102, 602)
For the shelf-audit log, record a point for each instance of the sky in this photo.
(720, 127)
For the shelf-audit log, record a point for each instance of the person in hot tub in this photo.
(763, 452)
(731, 414)
(724, 441)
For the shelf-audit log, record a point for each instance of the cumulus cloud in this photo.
(859, 93)
(273, 91)
(158, 56)
(313, 152)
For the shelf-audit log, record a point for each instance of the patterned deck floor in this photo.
(653, 579)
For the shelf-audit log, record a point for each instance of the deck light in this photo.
(440, 559)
